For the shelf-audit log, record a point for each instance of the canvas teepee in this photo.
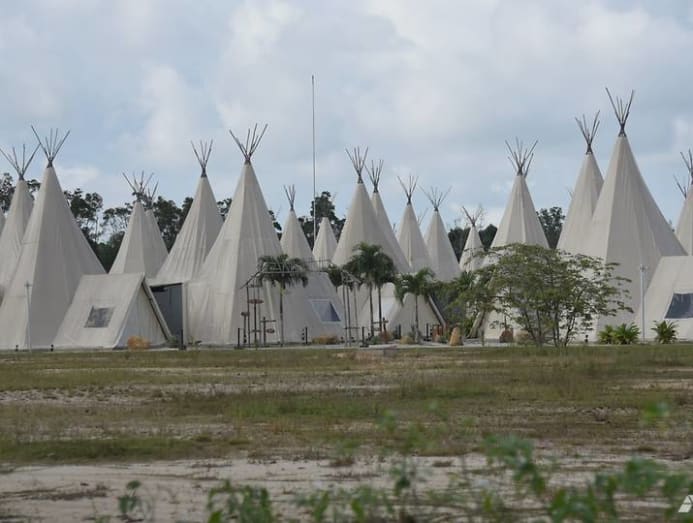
(670, 296)
(158, 244)
(138, 252)
(393, 248)
(409, 235)
(684, 227)
(471, 259)
(627, 226)
(361, 224)
(53, 258)
(17, 218)
(199, 231)
(440, 251)
(323, 311)
(325, 244)
(520, 223)
(219, 301)
(109, 309)
(585, 196)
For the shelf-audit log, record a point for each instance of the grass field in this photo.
(77, 407)
(313, 404)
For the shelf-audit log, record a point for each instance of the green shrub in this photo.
(626, 334)
(606, 335)
(665, 331)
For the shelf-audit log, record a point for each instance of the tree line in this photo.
(104, 228)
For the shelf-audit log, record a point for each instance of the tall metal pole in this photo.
(27, 285)
(315, 195)
(642, 300)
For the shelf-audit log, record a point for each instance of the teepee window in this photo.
(681, 307)
(325, 311)
(99, 317)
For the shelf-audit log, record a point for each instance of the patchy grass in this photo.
(122, 406)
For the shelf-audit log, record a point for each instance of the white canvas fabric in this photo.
(109, 309)
(359, 227)
(323, 312)
(13, 232)
(195, 239)
(216, 298)
(411, 241)
(138, 251)
(325, 244)
(53, 258)
(684, 227)
(394, 250)
(584, 200)
(440, 251)
(470, 261)
(520, 223)
(158, 245)
(669, 296)
(627, 226)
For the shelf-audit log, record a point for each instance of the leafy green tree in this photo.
(224, 206)
(551, 294)
(325, 207)
(168, 216)
(487, 234)
(374, 269)
(552, 222)
(86, 208)
(283, 272)
(418, 284)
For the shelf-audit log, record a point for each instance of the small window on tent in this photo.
(680, 307)
(99, 317)
(325, 311)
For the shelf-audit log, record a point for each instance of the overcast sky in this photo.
(434, 88)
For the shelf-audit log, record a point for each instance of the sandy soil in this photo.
(177, 490)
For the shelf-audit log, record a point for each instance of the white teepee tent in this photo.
(138, 251)
(17, 218)
(440, 251)
(361, 225)
(520, 223)
(158, 244)
(684, 227)
(585, 196)
(109, 309)
(670, 296)
(409, 235)
(221, 306)
(471, 260)
(199, 231)
(393, 248)
(53, 258)
(325, 244)
(323, 311)
(627, 226)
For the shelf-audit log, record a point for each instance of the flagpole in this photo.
(315, 196)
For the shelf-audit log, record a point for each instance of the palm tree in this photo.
(285, 272)
(420, 283)
(374, 268)
(383, 272)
